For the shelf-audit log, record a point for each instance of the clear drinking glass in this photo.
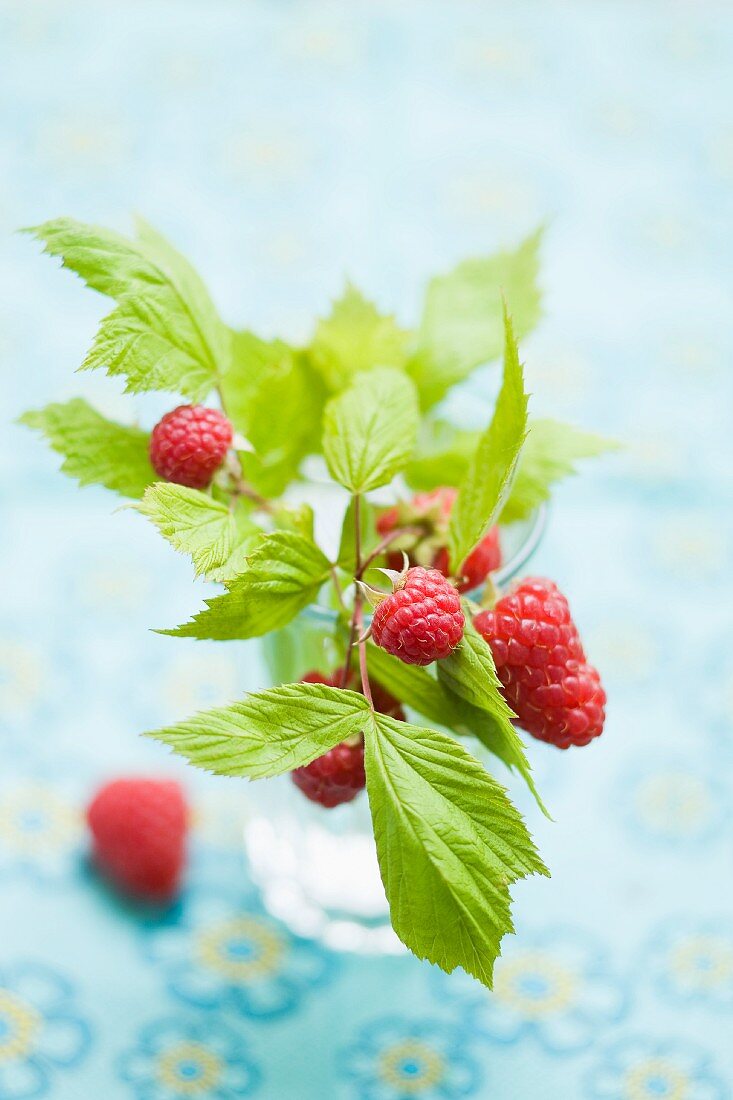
(317, 868)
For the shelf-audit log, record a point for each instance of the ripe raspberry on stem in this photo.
(139, 829)
(425, 518)
(555, 693)
(422, 620)
(189, 445)
(339, 775)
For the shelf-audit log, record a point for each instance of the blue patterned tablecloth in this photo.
(281, 144)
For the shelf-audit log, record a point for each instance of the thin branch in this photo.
(354, 631)
(382, 546)
(365, 685)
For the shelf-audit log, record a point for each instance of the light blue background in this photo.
(282, 145)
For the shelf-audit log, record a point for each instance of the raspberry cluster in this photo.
(555, 693)
(427, 516)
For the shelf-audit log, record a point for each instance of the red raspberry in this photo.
(339, 775)
(335, 777)
(431, 511)
(189, 444)
(422, 620)
(556, 695)
(139, 836)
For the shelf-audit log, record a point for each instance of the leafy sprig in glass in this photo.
(363, 398)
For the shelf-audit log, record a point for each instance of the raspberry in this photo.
(189, 444)
(556, 695)
(339, 775)
(422, 620)
(139, 836)
(335, 777)
(431, 512)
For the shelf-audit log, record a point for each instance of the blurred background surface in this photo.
(282, 145)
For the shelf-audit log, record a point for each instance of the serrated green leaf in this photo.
(356, 337)
(469, 671)
(165, 333)
(418, 689)
(370, 430)
(549, 454)
(275, 398)
(142, 341)
(462, 324)
(280, 577)
(413, 686)
(442, 455)
(269, 732)
(96, 451)
(489, 476)
(469, 677)
(449, 844)
(216, 536)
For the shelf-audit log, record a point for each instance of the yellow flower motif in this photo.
(34, 821)
(107, 586)
(189, 1069)
(534, 984)
(655, 1077)
(675, 803)
(196, 682)
(704, 962)
(21, 678)
(689, 546)
(19, 1023)
(411, 1066)
(615, 648)
(242, 949)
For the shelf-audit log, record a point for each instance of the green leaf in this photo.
(275, 398)
(435, 699)
(269, 732)
(165, 333)
(413, 686)
(442, 455)
(370, 430)
(462, 324)
(356, 337)
(280, 577)
(449, 844)
(216, 536)
(489, 476)
(96, 451)
(469, 677)
(549, 455)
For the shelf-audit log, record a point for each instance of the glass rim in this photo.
(501, 577)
